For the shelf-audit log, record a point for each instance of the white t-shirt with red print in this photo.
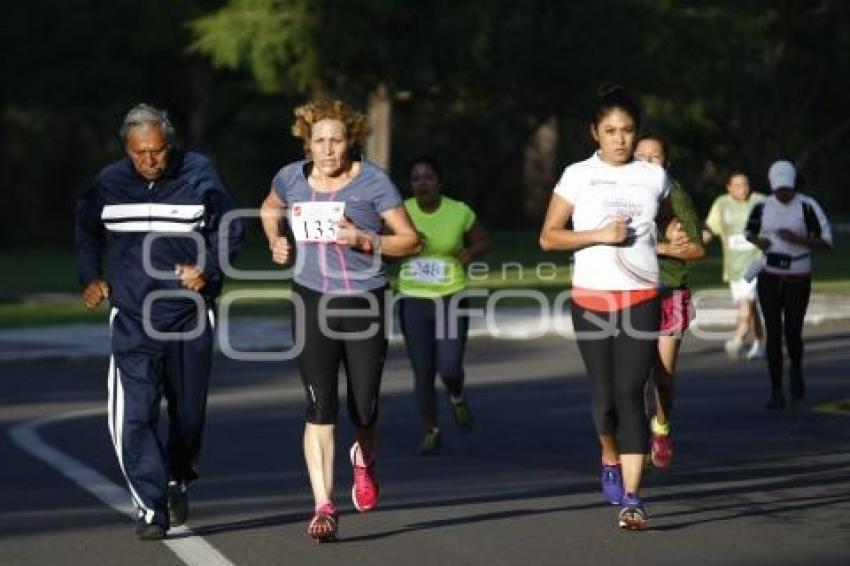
(599, 192)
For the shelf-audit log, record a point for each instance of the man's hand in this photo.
(190, 276)
(281, 250)
(95, 292)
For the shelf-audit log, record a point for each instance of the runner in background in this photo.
(434, 332)
(338, 204)
(683, 244)
(788, 226)
(613, 201)
(727, 219)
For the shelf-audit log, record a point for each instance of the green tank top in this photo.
(435, 272)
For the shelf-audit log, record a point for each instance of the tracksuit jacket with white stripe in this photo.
(179, 215)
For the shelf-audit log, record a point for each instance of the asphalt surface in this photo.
(747, 486)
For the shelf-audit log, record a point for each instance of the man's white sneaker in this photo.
(756, 351)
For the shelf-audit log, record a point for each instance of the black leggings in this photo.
(363, 357)
(784, 302)
(619, 360)
(435, 341)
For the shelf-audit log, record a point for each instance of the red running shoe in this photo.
(661, 450)
(366, 490)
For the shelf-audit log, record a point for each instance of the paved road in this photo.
(747, 486)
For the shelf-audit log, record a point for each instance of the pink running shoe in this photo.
(661, 450)
(324, 524)
(366, 490)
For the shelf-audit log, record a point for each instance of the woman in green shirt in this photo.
(727, 219)
(683, 244)
(430, 283)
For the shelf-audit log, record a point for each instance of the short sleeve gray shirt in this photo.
(330, 267)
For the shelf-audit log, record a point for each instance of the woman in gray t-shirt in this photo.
(337, 207)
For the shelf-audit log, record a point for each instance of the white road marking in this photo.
(189, 547)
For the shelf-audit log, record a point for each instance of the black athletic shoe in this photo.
(150, 532)
(178, 503)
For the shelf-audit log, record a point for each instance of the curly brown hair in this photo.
(356, 123)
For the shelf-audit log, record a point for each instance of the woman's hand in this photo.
(676, 234)
(281, 250)
(464, 256)
(789, 236)
(348, 234)
(677, 241)
(762, 243)
(614, 232)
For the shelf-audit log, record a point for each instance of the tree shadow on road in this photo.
(740, 511)
(279, 519)
(772, 501)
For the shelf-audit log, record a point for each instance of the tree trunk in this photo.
(380, 121)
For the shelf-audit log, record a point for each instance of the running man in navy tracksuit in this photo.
(156, 216)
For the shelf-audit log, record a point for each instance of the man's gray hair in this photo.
(142, 115)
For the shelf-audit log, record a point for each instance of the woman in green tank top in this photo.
(431, 284)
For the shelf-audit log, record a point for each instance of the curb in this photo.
(273, 336)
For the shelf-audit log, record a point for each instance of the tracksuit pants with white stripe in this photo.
(141, 370)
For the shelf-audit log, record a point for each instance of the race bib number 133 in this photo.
(315, 221)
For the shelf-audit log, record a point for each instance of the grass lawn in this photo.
(33, 277)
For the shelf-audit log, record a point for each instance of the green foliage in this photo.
(731, 83)
(762, 78)
(270, 37)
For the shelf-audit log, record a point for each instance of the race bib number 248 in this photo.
(426, 270)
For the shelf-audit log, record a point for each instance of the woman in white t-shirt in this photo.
(787, 226)
(613, 201)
